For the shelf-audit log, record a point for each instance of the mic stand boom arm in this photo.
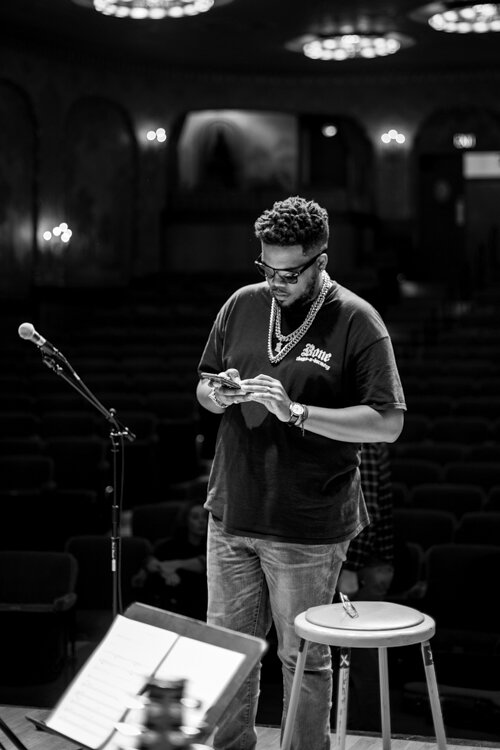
(118, 433)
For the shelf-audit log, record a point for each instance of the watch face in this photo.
(296, 409)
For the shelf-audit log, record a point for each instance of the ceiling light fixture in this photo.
(460, 18)
(152, 9)
(338, 47)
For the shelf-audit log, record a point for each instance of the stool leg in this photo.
(293, 703)
(385, 706)
(342, 698)
(432, 687)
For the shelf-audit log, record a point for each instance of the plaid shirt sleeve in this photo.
(376, 541)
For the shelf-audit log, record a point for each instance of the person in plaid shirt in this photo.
(366, 575)
(368, 571)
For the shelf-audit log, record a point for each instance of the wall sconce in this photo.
(393, 136)
(329, 130)
(464, 140)
(50, 268)
(159, 135)
(56, 238)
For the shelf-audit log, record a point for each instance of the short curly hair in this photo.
(294, 221)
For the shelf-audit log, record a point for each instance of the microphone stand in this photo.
(118, 434)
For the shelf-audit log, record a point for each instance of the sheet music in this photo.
(116, 672)
(207, 669)
(105, 706)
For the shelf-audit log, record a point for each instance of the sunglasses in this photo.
(286, 275)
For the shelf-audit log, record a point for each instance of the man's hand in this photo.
(348, 583)
(225, 395)
(269, 392)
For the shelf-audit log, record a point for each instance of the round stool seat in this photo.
(364, 624)
(379, 624)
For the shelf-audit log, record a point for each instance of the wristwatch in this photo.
(297, 412)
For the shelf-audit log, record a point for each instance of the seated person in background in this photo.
(174, 577)
(369, 568)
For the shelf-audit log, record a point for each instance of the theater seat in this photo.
(449, 496)
(94, 588)
(424, 526)
(37, 600)
(479, 528)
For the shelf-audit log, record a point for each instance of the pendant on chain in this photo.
(278, 346)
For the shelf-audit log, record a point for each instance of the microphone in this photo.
(27, 331)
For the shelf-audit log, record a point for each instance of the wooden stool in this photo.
(361, 624)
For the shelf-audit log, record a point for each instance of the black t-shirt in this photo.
(267, 479)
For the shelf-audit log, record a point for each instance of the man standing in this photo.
(317, 377)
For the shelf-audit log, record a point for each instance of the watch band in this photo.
(297, 420)
(305, 415)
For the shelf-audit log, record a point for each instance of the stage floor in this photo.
(268, 737)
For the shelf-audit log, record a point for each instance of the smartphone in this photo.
(222, 379)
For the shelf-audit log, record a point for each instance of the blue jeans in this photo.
(253, 582)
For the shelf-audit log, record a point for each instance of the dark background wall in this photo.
(74, 148)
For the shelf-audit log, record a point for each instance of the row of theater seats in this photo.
(56, 462)
(156, 399)
(429, 526)
(455, 386)
(51, 600)
(446, 481)
(434, 405)
(412, 471)
(455, 587)
(454, 497)
(73, 450)
(435, 574)
(451, 438)
(45, 520)
(465, 429)
(58, 587)
(39, 519)
(58, 422)
(73, 593)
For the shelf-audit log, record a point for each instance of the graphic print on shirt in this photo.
(310, 353)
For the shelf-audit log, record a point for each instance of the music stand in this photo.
(144, 644)
(11, 736)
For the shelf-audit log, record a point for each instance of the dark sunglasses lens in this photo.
(262, 270)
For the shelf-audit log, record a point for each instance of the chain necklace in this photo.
(286, 343)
